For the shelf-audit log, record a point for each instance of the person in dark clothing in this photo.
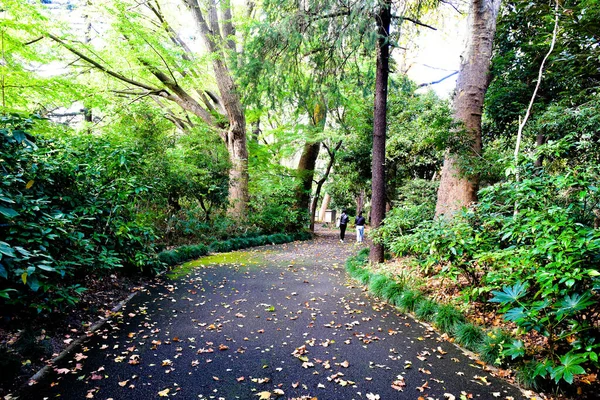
(359, 221)
(344, 218)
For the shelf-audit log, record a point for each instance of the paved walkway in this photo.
(284, 322)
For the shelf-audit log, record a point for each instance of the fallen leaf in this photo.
(123, 383)
(164, 393)
(62, 370)
(264, 395)
(423, 387)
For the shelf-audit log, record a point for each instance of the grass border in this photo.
(485, 345)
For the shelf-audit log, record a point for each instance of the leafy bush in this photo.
(416, 204)
(448, 317)
(409, 300)
(469, 335)
(378, 284)
(531, 247)
(191, 252)
(493, 345)
(393, 292)
(426, 310)
(61, 219)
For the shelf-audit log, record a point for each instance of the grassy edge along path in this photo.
(275, 322)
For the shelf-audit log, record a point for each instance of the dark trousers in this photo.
(342, 231)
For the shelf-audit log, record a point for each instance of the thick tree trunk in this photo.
(235, 136)
(378, 196)
(306, 173)
(457, 190)
(308, 159)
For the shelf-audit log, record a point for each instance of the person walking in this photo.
(359, 221)
(344, 218)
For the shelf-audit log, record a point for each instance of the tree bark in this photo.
(378, 196)
(235, 136)
(313, 208)
(324, 205)
(308, 159)
(456, 189)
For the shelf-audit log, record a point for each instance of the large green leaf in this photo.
(570, 366)
(574, 303)
(7, 250)
(515, 349)
(8, 212)
(510, 294)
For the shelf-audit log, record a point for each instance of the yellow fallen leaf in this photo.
(264, 395)
(164, 393)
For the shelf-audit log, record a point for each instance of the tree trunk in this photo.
(324, 205)
(235, 136)
(306, 173)
(313, 208)
(360, 201)
(457, 190)
(378, 196)
(540, 139)
(308, 159)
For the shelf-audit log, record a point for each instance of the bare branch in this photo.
(102, 67)
(414, 21)
(438, 81)
(33, 41)
(452, 5)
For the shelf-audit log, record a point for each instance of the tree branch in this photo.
(103, 68)
(414, 21)
(438, 81)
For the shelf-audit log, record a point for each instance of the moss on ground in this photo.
(240, 258)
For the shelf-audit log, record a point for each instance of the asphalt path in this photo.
(276, 322)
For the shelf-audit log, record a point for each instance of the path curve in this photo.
(285, 322)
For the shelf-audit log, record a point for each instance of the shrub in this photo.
(377, 284)
(409, 300)
(469, 335)
(417, 204)
(493, 345)
(363, 276)
(447, 318)
(426, 310)
(393, 292)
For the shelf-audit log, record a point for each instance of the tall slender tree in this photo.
(378, 197)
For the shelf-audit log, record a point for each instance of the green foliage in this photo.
(378, 284)
(416, 204)
(426, 310)
(469, 335)
(182, 254)
(364, 276)
(62, 218)
(409, 300)
(191, 252)
(492, 348)
(539, 263)
(393, 292)
(447, 318)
